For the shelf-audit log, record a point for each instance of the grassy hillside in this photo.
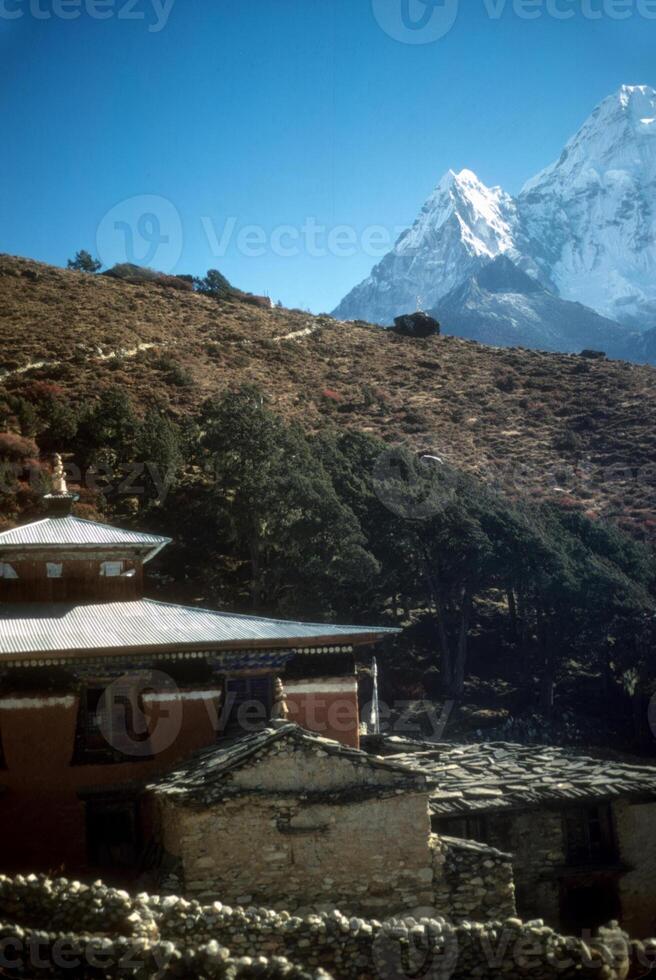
(499, 603)
(539, 424)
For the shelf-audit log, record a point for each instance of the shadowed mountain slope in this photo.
(503, 306)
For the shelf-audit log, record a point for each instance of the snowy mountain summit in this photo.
(462, 225)
(585, 227)
(592, 215)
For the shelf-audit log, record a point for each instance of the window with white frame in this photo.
(111, 569)
(54, 569)
(7, 570)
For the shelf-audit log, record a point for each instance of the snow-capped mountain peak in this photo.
(591, 216)
(585, 227)
(618, 135)
(485, 215)
(462, 225)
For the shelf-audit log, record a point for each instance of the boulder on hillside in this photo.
(416, 325)
(593, 355)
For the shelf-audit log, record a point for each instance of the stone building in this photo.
(580, 830)
(101, 688)
(288, 818)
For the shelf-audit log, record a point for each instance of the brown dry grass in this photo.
(543, 424)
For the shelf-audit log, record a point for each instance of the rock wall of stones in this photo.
(634, 824)
(174, 937)
(367, 857)
(296, 767)
(472, 881)
(536, 841)
(30, 954)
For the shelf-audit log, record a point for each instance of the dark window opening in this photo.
(589, 837)
(112, 833)
(248, 703)
(464, 828)
(588, 904)
(110, 728)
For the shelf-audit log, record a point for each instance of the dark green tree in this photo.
(592, 601)
(273, 499)
(158, 449)
(58, 424)
(107, 431)
(213, 284)
(84, 262)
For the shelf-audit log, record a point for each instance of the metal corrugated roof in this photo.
(145, 624)
(60, 532)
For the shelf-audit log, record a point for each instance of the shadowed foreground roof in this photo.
(497, 776)
(142, 625)
(203, 777)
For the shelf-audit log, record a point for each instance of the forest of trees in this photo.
(535, 605)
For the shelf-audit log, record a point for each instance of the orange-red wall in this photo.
(42, 817)
(328, 706)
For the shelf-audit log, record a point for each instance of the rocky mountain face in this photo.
(591, 217)
(462, 225)
(642, 347)
(502, 306)
(585, 228)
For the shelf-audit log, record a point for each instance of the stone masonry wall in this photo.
(368, 856)
(114, 934)
(287, 766)
(635, 826)
(535, 840)
(472, 881)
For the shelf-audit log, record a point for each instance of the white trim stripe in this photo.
(182, 696)
(323, 685)
(18, 704)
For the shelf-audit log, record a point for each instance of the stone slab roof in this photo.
(473, 847)
(146, 625)
(490, 777)
(202, 779)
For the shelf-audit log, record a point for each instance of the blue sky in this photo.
(238, 135)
